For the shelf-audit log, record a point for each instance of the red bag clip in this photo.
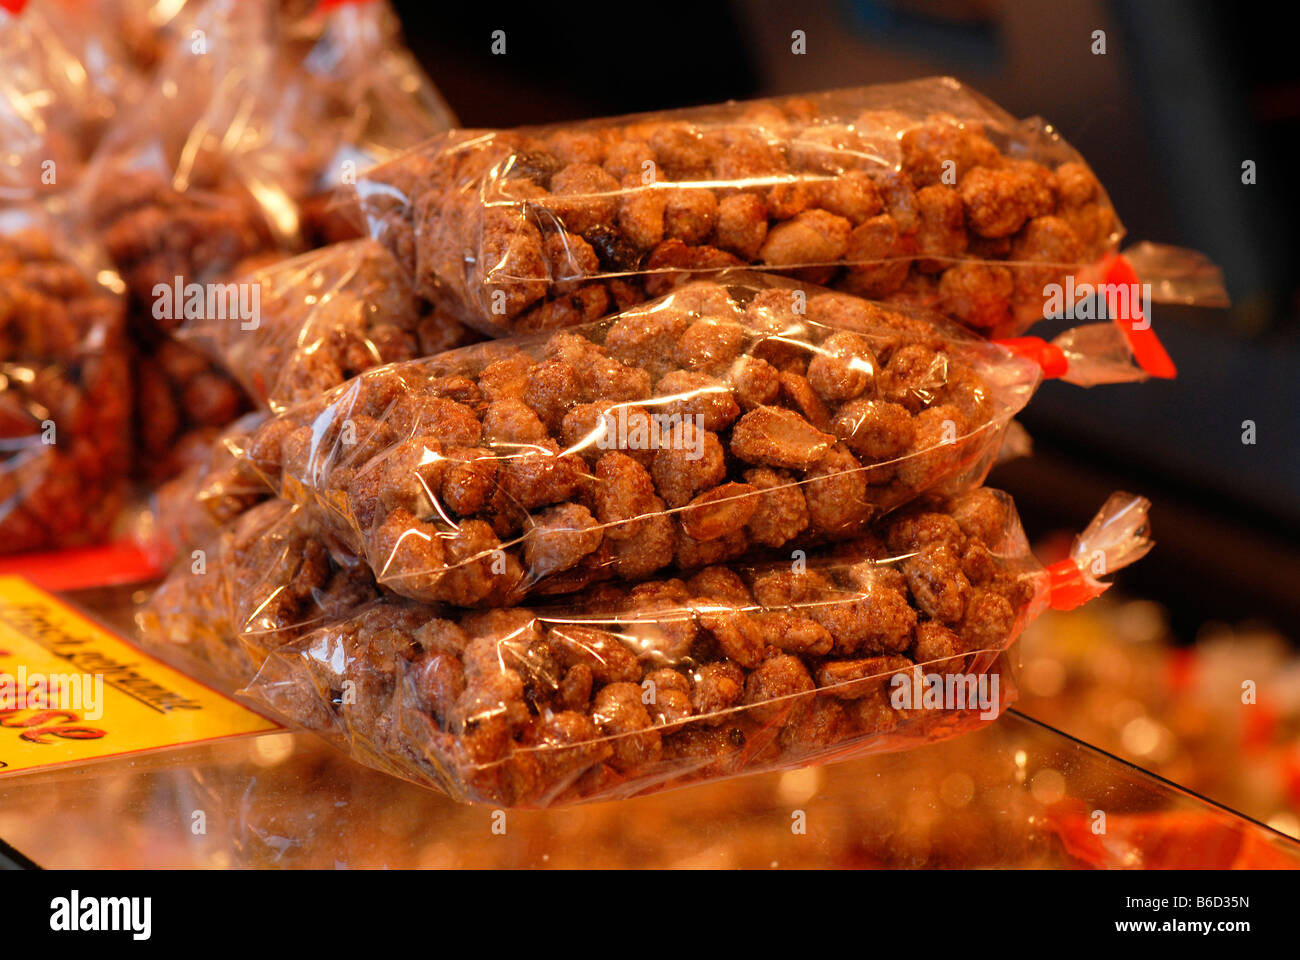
(1147, 349)
(1069, 589)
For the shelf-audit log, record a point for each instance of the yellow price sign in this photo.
(72, 691)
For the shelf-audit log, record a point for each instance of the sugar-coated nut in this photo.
(541, 476)
(649, 549)
(623, 718)
(641, 214)
(648, 340)
(999, 201)
(941, 229)
(864, 677)
(719, 512)
(738, 635)
(569, 743)
(781, 513)
(774, 690)
(715, 688)
(439, 681)
(875, 429)
(798, 392)
(742, 224)
(512, 421)
(843, 368)
(720, 583)
(852, 195)
(937, 446)
(710, 345)
(795, 634)
(756, 382)
(583, 196)
(911, 529)
(575, 687)
(987, 621)
(980, 513)
(776, 437)
(836, 493)
(690, 215)
(914, 376)
(978, 294)
(506, 378)
(609, 659)
(701, 396)
(938, 586)
(469, 480)
(691, 460)
(561, 536)
(472, 568)
(814, 236)
(936, 644)
(669, 695)
(409, 553)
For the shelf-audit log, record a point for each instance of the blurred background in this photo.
(1184, 94)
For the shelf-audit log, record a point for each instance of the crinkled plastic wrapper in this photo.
(324, 317)
(922, 192)
(62, 84)
(899, 641)
(726, 417)
(64, 391)
(268, 573)
(254, 111)
(216, 487)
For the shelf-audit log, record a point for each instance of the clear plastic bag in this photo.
(268, 573)
(752, 412)
(897, 642)
(255, 110)
(921, 193)
(62, 83)
(213, 489)
(64, 389)
(324, 317)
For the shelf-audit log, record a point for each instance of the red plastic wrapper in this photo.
(922, 193)
(324, 316)
(747, 413)
(899, 642)
(64, 389)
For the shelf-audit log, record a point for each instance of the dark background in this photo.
(1185, 92)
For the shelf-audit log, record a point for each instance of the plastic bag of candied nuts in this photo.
(325, 316)
(255, 110)
(213, 489)
(728, 416)
(897, 642)
(64, 389)
(61, 86)
(921, 192)
(269, 573)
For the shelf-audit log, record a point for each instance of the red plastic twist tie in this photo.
(1148, 351)
(1069, 589)
(324, 5)
(1048, 356)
